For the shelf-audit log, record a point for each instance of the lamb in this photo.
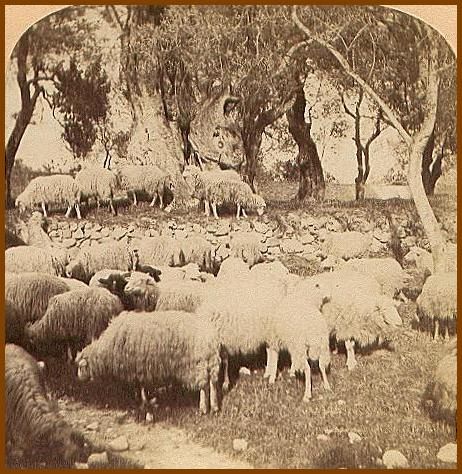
(115, 255)
(357, 312)
(387, 271)
(28, 258)
(32, 424)
(438, 302)
(154, 349)
(441, 392)
(57, 189)
(75, 318)
(148, 179)
(246, 245)
(27, 296)
(251, 318)
(99, 183)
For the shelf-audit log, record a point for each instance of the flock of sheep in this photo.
(151, 313)
(214, 188)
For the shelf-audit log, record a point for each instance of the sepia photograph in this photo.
(230, 238)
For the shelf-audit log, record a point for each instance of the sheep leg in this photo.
(437, 330)
(154, 199)
(135, 202)
(213, 396)
(206, 208)
(214, 209)
(161, 200)
(70, 357)
(322, 369)
(68, 211)
(238, 213)
(225, 362)
(446, 330)
(77, 210)
(244, 214)
(351, 359)
(44, 209)
(271, 364)
(203, 400)
(307, 394)
(111, 204)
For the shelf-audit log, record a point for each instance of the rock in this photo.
(54, 234)
(245, 226)
(260, 227)
(180, 234)
(222, 230)
(322, 437)
(322, 235)
(222, 252)
(92, 426)
(105, 232)
(382, 236)
(119, 233)
(240, 444)
(119, 444)
(95, 235)
(244, 371)
(333, 225)
(263, 248)
(68, 243)
(291, 246)
(341, 402)
(78, 234)
(448, 453)
(272, 242)
(354, 437)
(73, 226)
(306, 239)
(67, 234)
(393, 459)
(97, 460)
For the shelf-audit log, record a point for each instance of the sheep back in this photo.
(154, 349)
(438, 299)
(28, 258)
(97, 182)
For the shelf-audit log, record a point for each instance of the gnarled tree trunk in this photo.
(311, 180)
(431, 170)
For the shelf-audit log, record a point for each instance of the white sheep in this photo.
(98, 183)
(75, 318)
(114, 255)
(441, 392)
(161, 250)
(152, 349)
(32, 422)
(27, 296)
(149, 179)
(357, 312)
(246, 319)
(222, 187)
(423, 260)
(57, 189)
(387, 271)
(28, 258)
(246, 245)
(196, 249)
(438, 302)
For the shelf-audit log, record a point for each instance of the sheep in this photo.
(441, 392)
(222, 187)
(346, 245)
(75, 317)
(387, 271)
(55, 189)
(27, 296)
(357, 312)
(88, 261)
(196, 249)
(251, 318)
(99, 183)
(232, 268)
(32, 424)
(156, 251)
(28, 258)
(74, 284)
(154, 349)
(147, 295)
(149, 179)
(423, 260)
(438, 302)
(246, 245)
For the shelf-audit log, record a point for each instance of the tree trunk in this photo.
(24, 116)
(252, 144)
(427, 160)
(311, 181)
(416, 153)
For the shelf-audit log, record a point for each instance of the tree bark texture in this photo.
(311, 177)
(431, 169)
(24, 116)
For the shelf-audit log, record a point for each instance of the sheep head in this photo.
(83, 368)
(115, 283)
(142, 290)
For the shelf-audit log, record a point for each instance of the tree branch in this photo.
(346, 66)
(347, 110)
